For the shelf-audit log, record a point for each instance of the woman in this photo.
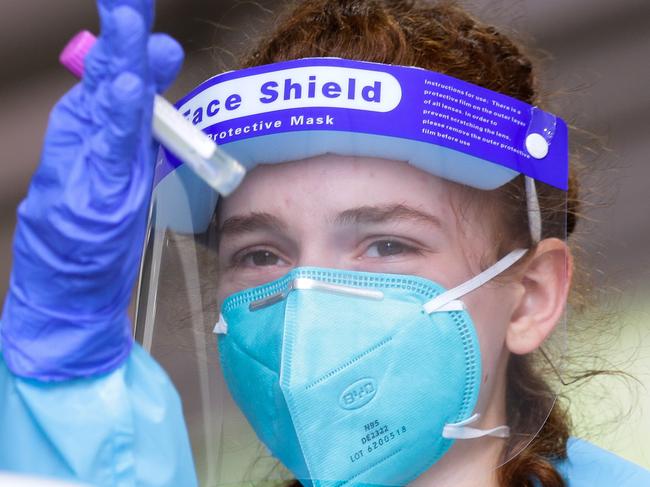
(326, 229)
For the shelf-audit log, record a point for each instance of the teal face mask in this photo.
(355, 377)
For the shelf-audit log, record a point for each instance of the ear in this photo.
(546, 279)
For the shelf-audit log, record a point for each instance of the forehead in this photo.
(330, 183)
(317, 201)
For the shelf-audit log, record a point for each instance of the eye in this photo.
(260, 258)
(387, 248)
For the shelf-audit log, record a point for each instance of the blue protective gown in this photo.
(590, 466)
(126, 428)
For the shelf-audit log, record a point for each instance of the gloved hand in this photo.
(80, 230)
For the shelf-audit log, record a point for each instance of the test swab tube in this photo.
(171, 129)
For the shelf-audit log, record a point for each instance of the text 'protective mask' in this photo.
(355, 377)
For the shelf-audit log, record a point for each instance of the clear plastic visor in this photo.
(297, 324)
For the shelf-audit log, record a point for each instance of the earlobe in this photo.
(546, 280)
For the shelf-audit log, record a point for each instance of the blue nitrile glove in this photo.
(80, 230)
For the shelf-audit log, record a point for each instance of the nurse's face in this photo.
(371, 215)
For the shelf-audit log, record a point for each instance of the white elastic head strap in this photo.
(440, 302)
(221, 328)
(448, 301)
(534, 213)
(461, 430)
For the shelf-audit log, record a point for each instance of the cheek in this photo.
(227, 286)
(490, 309)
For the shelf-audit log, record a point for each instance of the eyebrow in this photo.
(252, 222)
(384, 213)
(261, 221)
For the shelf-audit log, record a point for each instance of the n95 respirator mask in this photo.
(355, 377)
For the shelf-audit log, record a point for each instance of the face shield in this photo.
(352, 313)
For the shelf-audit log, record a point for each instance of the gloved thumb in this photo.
(165, 60)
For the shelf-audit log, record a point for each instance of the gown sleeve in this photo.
(590, 466)
(124, 428)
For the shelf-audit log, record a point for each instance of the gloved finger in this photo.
(96, 64)
(165, 60)
(128, 47)
(120, 47)
(144, 7)
(114, 147)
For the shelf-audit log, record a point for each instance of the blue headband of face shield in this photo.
(290, 350)
(304, 108)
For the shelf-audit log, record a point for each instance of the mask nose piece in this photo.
(273, 298)
(306, 283)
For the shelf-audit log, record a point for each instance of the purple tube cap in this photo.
(73, 54)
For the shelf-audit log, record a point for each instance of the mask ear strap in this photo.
(475, 282)
(221, 328)
(461, 430)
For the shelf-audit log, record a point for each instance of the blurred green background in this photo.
(613, 411)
